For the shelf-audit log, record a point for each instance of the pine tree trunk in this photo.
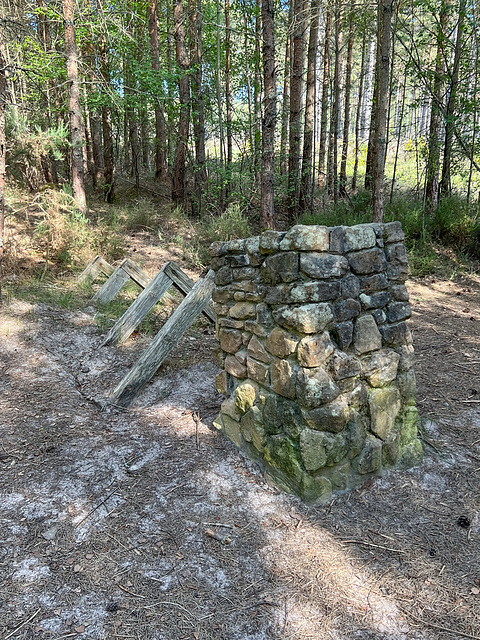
(296, 95)
(346, 120)
(108, 154)
(228, 96)
(384, 41)
(257, 97)
(269, 115)
(161, 170)
(332, 157)
(286, 96)
(325, 100)
(358, 115)
(446, 181)
(306, 187)
(178, 191)
(74, 108)
(3, 151)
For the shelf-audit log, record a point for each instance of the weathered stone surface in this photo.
(234, 367)
(366, 336)
(252, 246)
(283, 378)
(221, 383)
(346, 309)
(407, 385)
(308, 318)
(231, 428)
(315, 387)
(313, 292)
(410, 455)
(350, 286)
(330, 417)
(238, 260)
(397, 271)
(251, 427)
(384, 406)
(244, 273)
(230, 409)
(370, 459)
(380, 368)
(221, 294)
(217, 249)
(312, 449)
(235, 246)
(337, 244)
(361, 236)
(394, 335)
(344, 366)
(280, 343)
(315, 489)
(339, 476)
(343, 334)
(393, 232)
(245, 285)
(399, 292)
(356, 431)
(314, 350)
(306, 238)
(253, 327)
(292, 418)
(257, 350)
(230, 340)
(223, 276)
(367, 261)
(407, 357)
(370, 284)
(220, 357)
(396, 253)
(379, 316)
(270, 241)
(229, 323)
(245, 395)
(409, 430)
(282, 454)
(220, 309)
(239, 296)
(258, 371)
(281, 267)
(374, 300)
(397, 311)
(241, 356)
(273, 414)
(323, 265)
(264, 316)
(243, 310)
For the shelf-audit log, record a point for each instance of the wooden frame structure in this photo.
(197, 300)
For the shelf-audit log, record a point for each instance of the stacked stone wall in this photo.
(316, 356)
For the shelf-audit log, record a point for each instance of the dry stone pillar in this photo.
(316, 356)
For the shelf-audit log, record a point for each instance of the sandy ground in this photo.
(147, 524)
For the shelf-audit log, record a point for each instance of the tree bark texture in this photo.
(74, 108)
(160, 128)
(178, 192)
(346, 119)
(269, 115)
(322, 146)
(3, 150)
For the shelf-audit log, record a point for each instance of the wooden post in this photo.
(137, 311)
(137, 274)
(112, 286)
(168, 336)
(184, 284)
(97, 265)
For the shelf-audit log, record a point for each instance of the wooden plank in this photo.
(112, 286)
(165, 340)
(97, 265)
(185, 284)
(136, 273)
(137, 311)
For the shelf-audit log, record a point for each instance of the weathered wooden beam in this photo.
(137, 311)
(112, 286)
(185, 284)
(136, 273)
(165, 340)
(97, 265)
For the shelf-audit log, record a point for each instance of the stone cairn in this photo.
(316, 357)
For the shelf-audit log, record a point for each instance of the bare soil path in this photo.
(148, 525)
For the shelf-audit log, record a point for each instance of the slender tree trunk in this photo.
(108, 152)
(325, 99)
(286, 96)
(3, 150)
(251, 137)
(196, 82)
(346, 120)
(446, 181)
(384, 40)
(332, 158)
(269, 114)
(358, 114)
(221, 191)
(161, 170)
(296, 94)
(257, 96)
(433, 158)
(399, 134)
(307, 160)
(178, 192)
(74, 108)
(228, 96)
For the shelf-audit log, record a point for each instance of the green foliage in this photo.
(458, 226)
(230, 224)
